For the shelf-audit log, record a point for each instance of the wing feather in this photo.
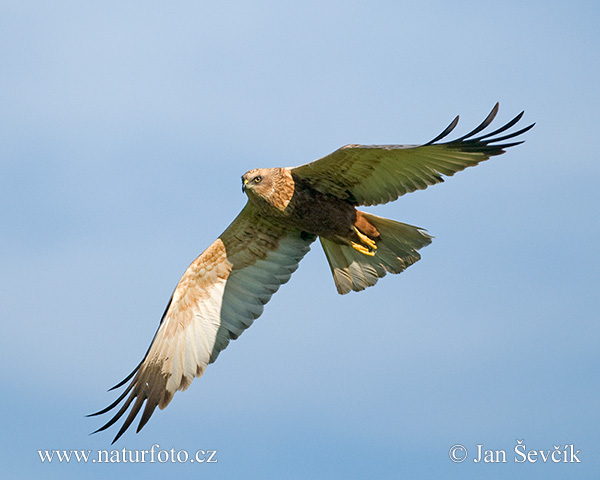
(374, 174)
(220, 295)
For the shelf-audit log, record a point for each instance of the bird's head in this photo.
(258, 182)
(271, 185)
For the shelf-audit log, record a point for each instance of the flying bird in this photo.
(225, 289)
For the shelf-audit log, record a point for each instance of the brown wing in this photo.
(218, 297)
(374, 174)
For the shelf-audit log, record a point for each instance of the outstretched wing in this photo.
(218, 297)
(374, 174)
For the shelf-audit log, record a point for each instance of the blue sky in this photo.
(125, 129)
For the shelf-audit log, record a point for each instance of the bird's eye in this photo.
(257, 179)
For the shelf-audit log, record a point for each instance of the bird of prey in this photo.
(225, 289)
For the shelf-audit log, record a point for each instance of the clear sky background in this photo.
(125, 128)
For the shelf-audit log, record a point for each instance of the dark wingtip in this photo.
(446, 131)
(117, 436)
(483, 125)
(127, 378)
(489, 143)
(130, 418)
(128, 391)
(112, 405)
(511, 135)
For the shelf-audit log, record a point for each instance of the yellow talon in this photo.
(366, 240)
(362, 249)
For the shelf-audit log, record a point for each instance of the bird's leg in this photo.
(367, 246)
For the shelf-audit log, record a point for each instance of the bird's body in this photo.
(294, 202)
(225, 289)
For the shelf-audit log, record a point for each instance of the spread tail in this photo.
(356, 268)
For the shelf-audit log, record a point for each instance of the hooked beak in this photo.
(244, 184)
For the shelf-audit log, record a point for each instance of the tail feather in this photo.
(397, 248)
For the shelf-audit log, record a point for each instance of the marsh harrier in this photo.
(225, 289)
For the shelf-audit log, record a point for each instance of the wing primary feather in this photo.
(131, 417)
(112, 405)
(507, 145)
(126, 379)
(446, 132)
(118, 415)
(482, 125)
(510, 135)
(505, 127)
(148, 411)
